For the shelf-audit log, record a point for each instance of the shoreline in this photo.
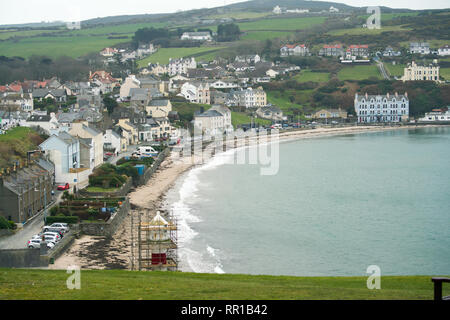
(99, 253)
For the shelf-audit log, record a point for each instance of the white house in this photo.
(436, 115)
(82, 130)
(226, 113)
(181, 66)
(45, 122)
(196, 92)
(197, 36)
(112, 141)
(382, 108)
(129, 83)
(419, 47)
(210, 122)
(250, 59)
(444, 50)
(294, 50)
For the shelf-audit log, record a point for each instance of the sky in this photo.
(25, 11)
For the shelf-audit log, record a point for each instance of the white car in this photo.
(48, 234)
(60, 227)
(36, 244)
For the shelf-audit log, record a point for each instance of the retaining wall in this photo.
(22, 258)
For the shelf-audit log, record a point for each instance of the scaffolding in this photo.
(157, 242)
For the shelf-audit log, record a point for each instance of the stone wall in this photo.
(106, 229)
(151, 170)
(6, 233)
(22, 258)
(64, 244)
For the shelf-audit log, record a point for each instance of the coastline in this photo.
(99, 253)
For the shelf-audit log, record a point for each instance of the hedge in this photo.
(62, 219)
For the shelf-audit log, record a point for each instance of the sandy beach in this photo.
(115, 253)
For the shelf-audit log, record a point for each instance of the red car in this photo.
(63, 187)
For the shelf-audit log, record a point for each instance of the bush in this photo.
(12, 225)
(62, 219)
(4, 224)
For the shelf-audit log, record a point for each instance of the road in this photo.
(20, 239)
(382, 69)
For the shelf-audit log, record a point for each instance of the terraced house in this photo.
(294, 50)
(333, 50)
(382, 108)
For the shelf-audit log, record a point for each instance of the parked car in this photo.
(55, 230)
(59, 225)
(63, 187)
(36, 244)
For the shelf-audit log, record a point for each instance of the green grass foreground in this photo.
(126, 285)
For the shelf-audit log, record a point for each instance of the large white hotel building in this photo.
(382, 108)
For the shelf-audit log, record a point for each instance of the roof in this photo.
(197, 34)
(359, 46)
(159, 103)
(40, 93)
(38, 118)
(332, 46)
(292, 46)
(209, 113)
(388, 96)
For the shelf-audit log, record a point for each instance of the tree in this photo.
(228, 32)
(110, 103)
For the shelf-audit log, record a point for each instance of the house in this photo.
(87, 153)
(59, 95)
(130, 82)
(223, 84)
(333, 10)
(359, 50)
(249, 98)
(415, 72)
(159, 108)
(158, 69)
(226, 113)
(209, 122)
(334, 50)
(26, 191)
(250, 59)
(196, 92)
(144, 50)
(240, 67)
(382, 108)
(129, 131)
(294, 50)
(104, 80)
(181, 66)
(109, 52)
(390, 52)
(271, 113)
(419, 47)
(139, 97)
(218, 97)
(197, 36)
(23, 102)
(112, 141)
(277, 10)
(444, 50)
(82, 130)
(436, 115)
(11, 119)
(63, 150)
(44, 122)
(330, 114)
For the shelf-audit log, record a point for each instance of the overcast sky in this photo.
(12, 12)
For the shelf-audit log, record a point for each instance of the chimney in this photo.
(406, 94)
(367, 96)
(396, 94)
(387, 95)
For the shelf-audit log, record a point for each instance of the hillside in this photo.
(125, 285)
(15, 144)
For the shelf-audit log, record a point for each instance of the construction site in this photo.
(154, 247)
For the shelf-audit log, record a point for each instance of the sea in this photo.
(337, 205)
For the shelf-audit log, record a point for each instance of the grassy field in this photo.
(359, 72)
(265, 35)
(15, 144)
(365, 31)
(162, 55)
(395, 70)
(308, 75)
(280, 24)
(56, 46)
(240, 118)
(125, 285)
(445, 73)
(240, 15)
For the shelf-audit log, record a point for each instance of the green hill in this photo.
(126, 285)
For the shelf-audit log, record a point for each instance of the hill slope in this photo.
(47, 284)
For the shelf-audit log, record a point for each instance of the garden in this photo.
(75, 209)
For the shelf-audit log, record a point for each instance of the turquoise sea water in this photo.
(338, 205)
